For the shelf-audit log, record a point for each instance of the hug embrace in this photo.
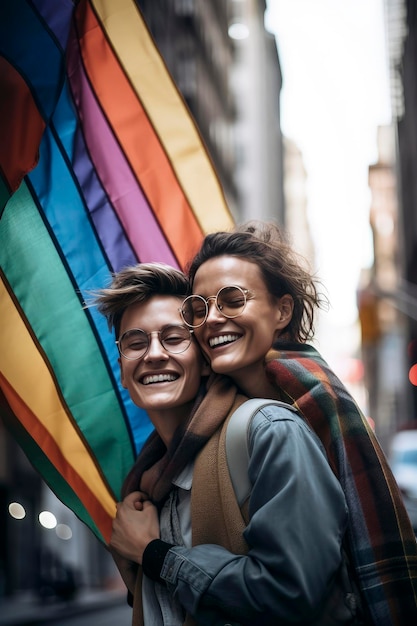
(322, 537)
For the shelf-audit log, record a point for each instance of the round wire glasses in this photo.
(229, 301)
(135, 343)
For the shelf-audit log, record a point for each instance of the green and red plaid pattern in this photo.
(381, 541)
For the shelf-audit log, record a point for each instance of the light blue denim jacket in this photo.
(298, 517)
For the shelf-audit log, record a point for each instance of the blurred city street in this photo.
(308, 114)
(104, 608)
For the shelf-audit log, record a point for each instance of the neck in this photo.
(256, 384)
(166, 421)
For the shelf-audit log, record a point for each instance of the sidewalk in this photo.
(27, 609)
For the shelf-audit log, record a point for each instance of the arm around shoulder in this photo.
(298, 517)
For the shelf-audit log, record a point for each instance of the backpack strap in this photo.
(237, 452)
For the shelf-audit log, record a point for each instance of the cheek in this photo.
(198, 334)
(119, 360)
(263, 335)
(124, 373)
(194, 368)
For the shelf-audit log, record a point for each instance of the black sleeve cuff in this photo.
(153, 559)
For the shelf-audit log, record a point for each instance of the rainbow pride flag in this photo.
(101, 166)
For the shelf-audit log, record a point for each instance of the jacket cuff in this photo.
(153, 559)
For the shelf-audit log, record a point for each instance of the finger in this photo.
(133, 495)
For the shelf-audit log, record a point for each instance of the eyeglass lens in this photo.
(135, 343)
(230, 301)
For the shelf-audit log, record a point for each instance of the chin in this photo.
(220, 366)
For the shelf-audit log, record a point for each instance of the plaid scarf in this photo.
(156, 466)
(380, 538)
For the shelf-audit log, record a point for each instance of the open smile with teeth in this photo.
(221, 340)
(158, 378)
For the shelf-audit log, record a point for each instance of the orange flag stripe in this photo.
(167, 111)
(134, 131)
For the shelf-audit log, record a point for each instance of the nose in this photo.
(156, 351)
(213, 315)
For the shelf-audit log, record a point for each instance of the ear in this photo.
(285, 308)
(122, 378)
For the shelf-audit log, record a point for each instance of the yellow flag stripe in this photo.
(166, 109)
(22, 365)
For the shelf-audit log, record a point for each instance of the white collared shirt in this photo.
(159, 607)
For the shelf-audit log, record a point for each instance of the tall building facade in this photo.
(401, 24)
(225, 64)
(382, 313)
(257, 82)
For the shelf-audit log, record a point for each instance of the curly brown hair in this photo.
(284, 271)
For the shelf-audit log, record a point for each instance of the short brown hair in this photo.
(136, 284)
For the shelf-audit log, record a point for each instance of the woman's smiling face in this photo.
(161, 381)
(237, 346)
